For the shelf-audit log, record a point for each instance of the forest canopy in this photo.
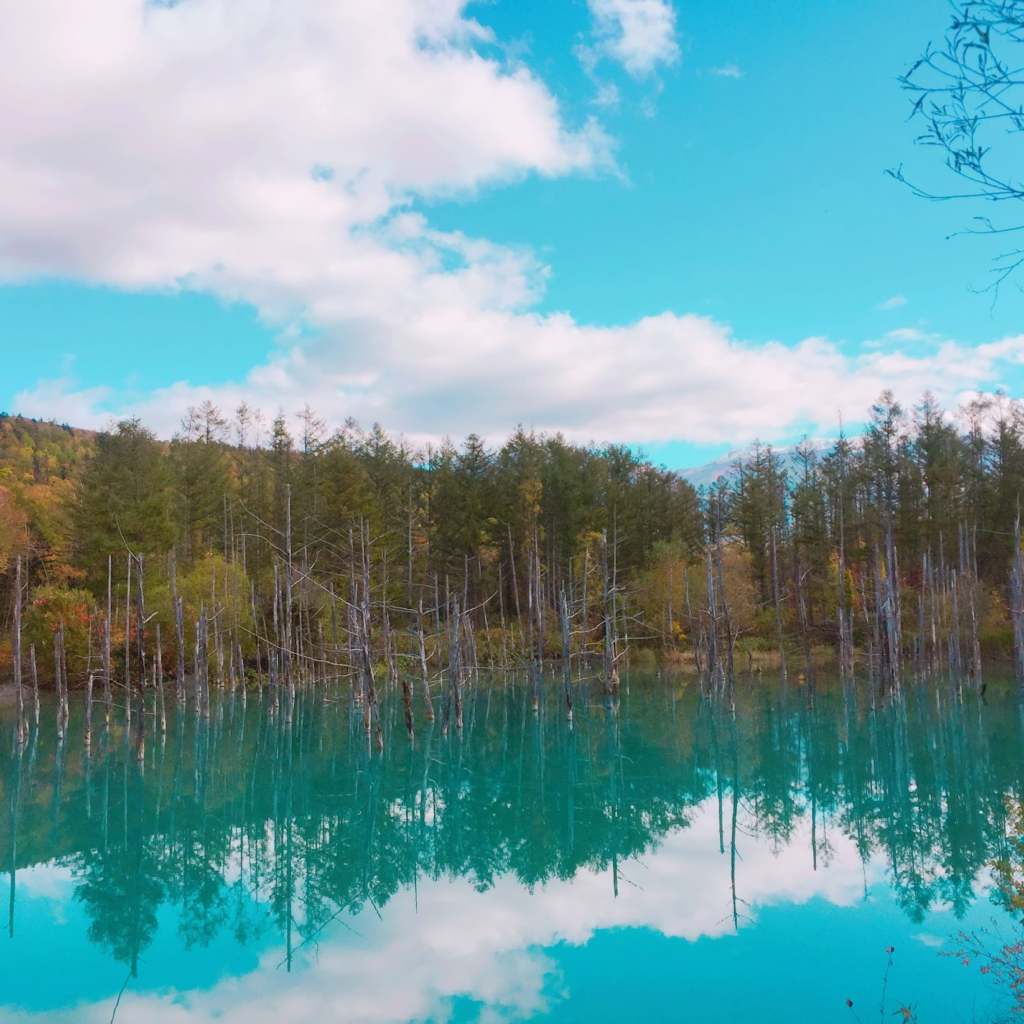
(528, 520)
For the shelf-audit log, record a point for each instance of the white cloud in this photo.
(49, 881)
(893, 303)
(906, 334)
(269, 153)
(447, 364)
(728, 71)
(607, 95)
(452, 941)
(640, 34)
(236, 145)
(62, 401)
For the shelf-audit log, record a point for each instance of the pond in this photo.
(660, 859)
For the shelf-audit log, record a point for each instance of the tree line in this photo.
(313, 551)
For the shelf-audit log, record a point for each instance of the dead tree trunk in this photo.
(778, 610)
(696, 630)
(428, 703)
(611, 673)
(804, 630)
(16, 654)
(566, 672)
(35, 683)
(1017, 603)
(714, 668)
(372, 709)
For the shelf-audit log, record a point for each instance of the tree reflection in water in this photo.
(247, 823)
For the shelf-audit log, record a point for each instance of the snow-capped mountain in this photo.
(702, 476)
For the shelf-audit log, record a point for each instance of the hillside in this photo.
(40, 465)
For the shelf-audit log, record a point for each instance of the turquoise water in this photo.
(661, 860)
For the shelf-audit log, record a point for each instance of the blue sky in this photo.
(628, 220)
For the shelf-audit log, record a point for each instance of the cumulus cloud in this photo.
(728, 71)
(452, 362)
(893, 303)
(906, 334)
(640, 34)
(188, 130)
(272, 154)
(234, 146)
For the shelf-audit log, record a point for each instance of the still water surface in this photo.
(662, 860)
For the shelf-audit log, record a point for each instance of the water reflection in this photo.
(274, 833)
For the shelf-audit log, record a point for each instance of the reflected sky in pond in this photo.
(661, 860)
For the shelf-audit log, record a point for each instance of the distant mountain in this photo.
(702, 476)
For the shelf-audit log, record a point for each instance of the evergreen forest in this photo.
(246, 552)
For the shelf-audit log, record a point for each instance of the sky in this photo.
(660, 223)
